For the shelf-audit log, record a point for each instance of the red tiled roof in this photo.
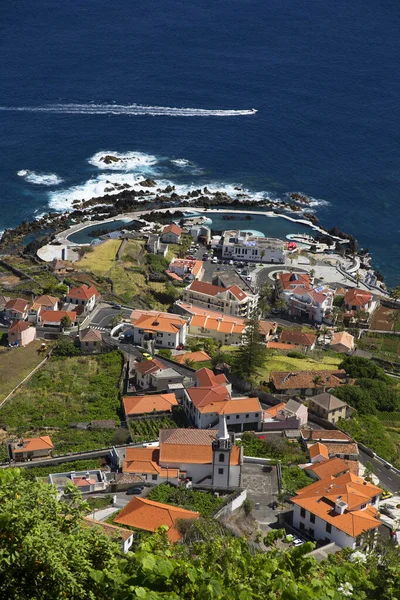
(237, 292)
(16, 304)
(90, 335)
(298, 337)
(46, 300)
(287, 281)
(173, 228)
(285, 380)
(332, 467)
(19, 327)
(162, 322)
(356, 297)
(270, 413)
(201, 287)
(191, 446)
(324, 435)
(83, 292)
(146, 367)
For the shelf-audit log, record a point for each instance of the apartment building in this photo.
(230, 301)
(158, 330)
(243, 246)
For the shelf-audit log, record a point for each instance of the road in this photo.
(103, 316)
(388, 478)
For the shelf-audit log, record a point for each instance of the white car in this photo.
(297, 541)
(214, 260)
(230, 262)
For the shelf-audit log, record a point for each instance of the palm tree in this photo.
(323, 332)
(280, 304)
(358, 278)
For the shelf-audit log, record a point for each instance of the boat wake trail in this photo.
(129, 109)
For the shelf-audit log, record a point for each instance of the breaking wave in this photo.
(48, 179)
(130, 110)
(128, 161)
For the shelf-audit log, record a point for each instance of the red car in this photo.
(180, 347)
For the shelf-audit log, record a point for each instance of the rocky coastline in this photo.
(128, 200)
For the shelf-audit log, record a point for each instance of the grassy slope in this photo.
(65, 391)
(16, 364)
(101, 259)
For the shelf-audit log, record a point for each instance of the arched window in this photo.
(222, 457)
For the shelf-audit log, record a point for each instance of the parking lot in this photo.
(261, 482)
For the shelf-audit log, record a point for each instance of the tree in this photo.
(395, 293)
(318, 381)
(252, 353)
(66, 322)
(369, 469)
(281, 304)
(323, 332)
(359, 367)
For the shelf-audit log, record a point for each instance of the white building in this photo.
(303, 300)
(158, 330)
(153, 374)
(230, 301)
(171, 234)
(211, 398)
(241, 245)
(83, 296)
(337, 509)
(196, 455)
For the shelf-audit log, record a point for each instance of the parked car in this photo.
(180, 347)
(134, 491)
(230, 262)
(214, 260)
(117, 306)
(297, 541)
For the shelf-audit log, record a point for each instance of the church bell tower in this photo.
(221, 449)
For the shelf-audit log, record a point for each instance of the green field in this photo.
(101, 259)
(16, 364)
(67, 391)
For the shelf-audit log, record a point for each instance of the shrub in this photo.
(296, 354)
(248, 506)
(165, 352)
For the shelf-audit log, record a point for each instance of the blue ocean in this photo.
(167, 84)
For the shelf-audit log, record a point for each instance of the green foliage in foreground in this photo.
(293, 479)
(46, 554)
(203, 502)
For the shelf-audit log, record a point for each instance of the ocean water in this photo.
(114, 77)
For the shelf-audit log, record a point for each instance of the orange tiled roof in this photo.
(55, 316)
(199, 356)
(148, 515)
(145, 460)
(284, 380)
(218, 400)
(332, 467)
(298, 337)
(192, 266)
(173, 275)
(279, 346)
(17, 304)
(138, 405)
(83, 292)
(162, 322)
(31, 444)
(206, 378)
(90, 335)
(318, 449)
(237, 292)
(271, 413)
(191, 446)
(320, 497)
(201, 287)
(266, 327)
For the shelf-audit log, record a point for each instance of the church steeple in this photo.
(222, 448)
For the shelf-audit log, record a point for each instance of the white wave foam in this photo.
(130, 110)
(182, 162)
(104, 184)
(128, 161)
(48, 179)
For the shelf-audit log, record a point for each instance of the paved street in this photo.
(388, 478)
(106, 313)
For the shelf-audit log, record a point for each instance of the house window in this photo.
(328, 528)
(154, 477)
(247, 416)
(303, 513)
(363, 506)
(228, 417)
(311, 532)
(301, 526)
(222, 457)
(237, 416)
(220, 471)
(159, 334)
(312, 518)
(256, 415)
